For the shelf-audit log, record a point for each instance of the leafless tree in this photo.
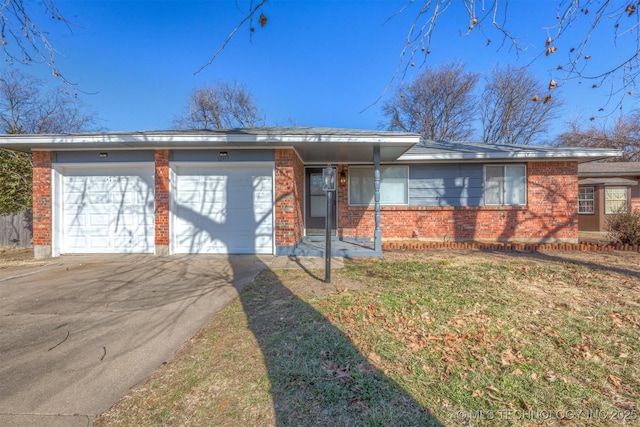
(623, 135)
(516, 108)
(27, 108)
(22, 37)
(223, 105)
(439, 104)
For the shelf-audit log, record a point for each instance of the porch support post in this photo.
(377, 237)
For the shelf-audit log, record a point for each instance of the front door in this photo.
(316, 204)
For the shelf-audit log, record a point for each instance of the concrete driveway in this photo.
(75, 336)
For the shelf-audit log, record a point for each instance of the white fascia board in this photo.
(142, 140)
(523, 155)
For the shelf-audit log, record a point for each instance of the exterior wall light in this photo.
(343, 178)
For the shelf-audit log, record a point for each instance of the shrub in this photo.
(624, 227)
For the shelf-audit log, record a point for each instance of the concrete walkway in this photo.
(77, 334)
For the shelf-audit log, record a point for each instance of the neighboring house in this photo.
(259, 190)
(605, 189)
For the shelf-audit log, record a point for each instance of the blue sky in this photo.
(315, 63)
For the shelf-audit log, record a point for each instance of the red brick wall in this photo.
(551, 213)
(42, 198)
(289, 188)
(162, 197)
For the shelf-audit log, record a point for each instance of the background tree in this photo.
(27, 107)
(623, 135)
(439, 104)
(516, 108)
(223, 105)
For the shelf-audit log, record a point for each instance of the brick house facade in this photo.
(262, 180)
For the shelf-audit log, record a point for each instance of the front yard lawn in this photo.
(436, 338)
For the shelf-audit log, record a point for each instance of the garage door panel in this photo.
(189, 197)
(77, 220)
(262, 197)
(99, 242)
(99, 220)
(76, 241)
(124, 199)
(224, 209)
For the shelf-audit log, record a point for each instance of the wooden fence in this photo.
(16, 230)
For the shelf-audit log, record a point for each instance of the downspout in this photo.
(377, 237)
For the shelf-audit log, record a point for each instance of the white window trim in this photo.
(526, 184)
(381, 202)
(593, 200)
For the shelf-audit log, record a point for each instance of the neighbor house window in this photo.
(586, 200)
(394, 185)
(615, 200)
(505, 185)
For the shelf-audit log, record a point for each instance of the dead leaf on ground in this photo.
(374, 358)
(615, 381)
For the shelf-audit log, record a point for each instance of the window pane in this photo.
(515, 185)
(615, 200)
(315, 185)
(318, 206)
(586, 200)
(360, 186)
(493, 186)
(394, 185)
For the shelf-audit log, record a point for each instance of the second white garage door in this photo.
(224, 209)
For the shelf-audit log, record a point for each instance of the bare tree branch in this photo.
(22, 38)
(252, 11)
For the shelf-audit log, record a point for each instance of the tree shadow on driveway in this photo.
(317, 376)
(75, 338)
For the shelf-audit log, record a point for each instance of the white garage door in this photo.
(108, 210)
(223, 209)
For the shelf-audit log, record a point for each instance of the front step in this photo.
(314, 247)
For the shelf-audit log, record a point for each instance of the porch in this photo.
(350, 248)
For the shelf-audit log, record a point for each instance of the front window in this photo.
(615, 200)
(394, 185)
(586, 200)
(505, 185)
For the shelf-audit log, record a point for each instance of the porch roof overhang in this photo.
(609, 169)
(608, 181)
(313, 145)
(446, 151)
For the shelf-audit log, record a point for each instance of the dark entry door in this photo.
(316, 204)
